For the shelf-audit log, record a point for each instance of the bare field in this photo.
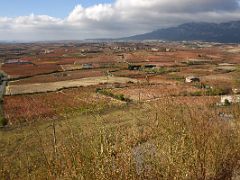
(55, 86)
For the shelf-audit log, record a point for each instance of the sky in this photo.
(35, 20)
(55, 8)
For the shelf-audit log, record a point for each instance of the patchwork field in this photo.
(55, 105)
(120, 110)
(24, 70)
(61, 67)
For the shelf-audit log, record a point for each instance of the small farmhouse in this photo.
(230, 99)
(47, 51)
(134, 67)
(154, 49)
(191, 79)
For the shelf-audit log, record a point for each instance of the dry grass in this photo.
(161, 140)
(162, 89)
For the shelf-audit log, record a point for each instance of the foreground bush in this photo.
(3, 121)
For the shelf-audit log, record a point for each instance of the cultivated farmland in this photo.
(120, 110)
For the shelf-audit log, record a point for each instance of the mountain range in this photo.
(228, 32)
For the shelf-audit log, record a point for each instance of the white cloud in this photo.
(77, 13)
(122, 18)
(100, 12)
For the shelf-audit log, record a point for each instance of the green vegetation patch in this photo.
(211, 92)
(176, 77)
(108, 92)
(161, 70)
(3, 121)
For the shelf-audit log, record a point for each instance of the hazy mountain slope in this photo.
(224, 32)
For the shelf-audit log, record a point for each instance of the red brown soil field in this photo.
(150, 92)
(49, 105)
(171, 57)
(232, 58)
(98, 59)
(61, 76)
(135, 57)
(57, 61)
(179, 56)
(22, 70)
(198, 70)
(130, 74)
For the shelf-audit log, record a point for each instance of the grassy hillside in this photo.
(159, 140)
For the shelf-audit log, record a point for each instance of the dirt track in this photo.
(55, 86)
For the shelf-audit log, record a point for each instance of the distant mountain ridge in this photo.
(228, 32)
